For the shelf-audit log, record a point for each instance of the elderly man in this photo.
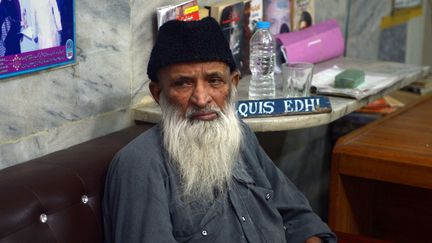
(200, 174)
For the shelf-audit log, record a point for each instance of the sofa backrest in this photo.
(57, 198)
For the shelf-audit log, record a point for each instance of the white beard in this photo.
(204, 152)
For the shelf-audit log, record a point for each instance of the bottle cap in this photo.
(263, 25)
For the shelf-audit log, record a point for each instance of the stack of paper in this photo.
(374, 82)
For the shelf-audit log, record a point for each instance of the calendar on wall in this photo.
(35, 35)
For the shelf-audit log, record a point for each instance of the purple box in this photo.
(315, 44)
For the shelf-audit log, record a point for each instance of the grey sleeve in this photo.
(299, 220)
(135, 205)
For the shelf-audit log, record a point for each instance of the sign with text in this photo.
(282, 107)
(35, 35)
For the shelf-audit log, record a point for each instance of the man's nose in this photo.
(200, 96)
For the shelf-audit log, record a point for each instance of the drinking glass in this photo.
(297, 79)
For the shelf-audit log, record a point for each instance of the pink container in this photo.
(315, 44)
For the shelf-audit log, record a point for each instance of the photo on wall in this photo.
(35, 35)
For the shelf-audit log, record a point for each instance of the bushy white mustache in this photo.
(192, 111)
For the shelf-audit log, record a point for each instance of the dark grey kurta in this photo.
(141, 202)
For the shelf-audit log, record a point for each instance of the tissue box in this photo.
(315, 44)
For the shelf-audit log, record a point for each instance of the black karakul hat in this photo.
(189, 41)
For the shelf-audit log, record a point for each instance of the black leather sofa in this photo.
(57, 198)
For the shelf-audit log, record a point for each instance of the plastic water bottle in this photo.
(262, 63)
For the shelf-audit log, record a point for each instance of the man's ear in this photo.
(235, 77)
(155, 90)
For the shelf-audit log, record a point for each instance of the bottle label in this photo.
(282, 107)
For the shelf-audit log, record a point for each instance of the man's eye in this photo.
(216, 81)
(182, 83)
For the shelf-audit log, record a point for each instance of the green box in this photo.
(349, 79)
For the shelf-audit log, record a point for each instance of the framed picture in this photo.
(35, 35)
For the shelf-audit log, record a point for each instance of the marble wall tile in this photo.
(331, 9)
(364, 27)
(44, 142)
(142, 39)
(13, 120)
(104, 60)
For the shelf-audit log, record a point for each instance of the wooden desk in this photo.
(381, 179)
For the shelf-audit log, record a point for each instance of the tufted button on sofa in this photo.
(57, 198)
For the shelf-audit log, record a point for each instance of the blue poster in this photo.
(35, 35)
